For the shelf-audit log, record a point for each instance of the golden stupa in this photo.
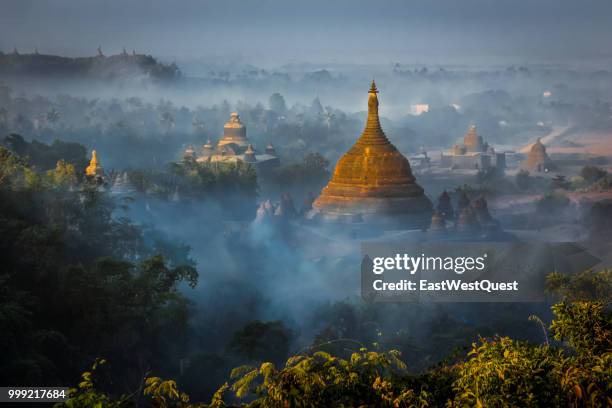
(537, 159)
(94, 168)
(373, 182)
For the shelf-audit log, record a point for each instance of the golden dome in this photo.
(538, 158)
(234, 132)
(372, 179)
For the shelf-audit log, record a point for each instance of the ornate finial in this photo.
(373, 87)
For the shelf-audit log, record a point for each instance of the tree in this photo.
(277, 104)
(262, 341)
(166, 119)
(53, 116)
(523, 180)
(592, 174)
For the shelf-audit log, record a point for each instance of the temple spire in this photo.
(373, 133)
(373, 87)
(94, 168)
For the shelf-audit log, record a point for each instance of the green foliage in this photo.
(592, 174)
(505, 373)
(585, 326)
(552, 203)
(45, 156)
(559, 182)
(232, 186)
(277, 103)
(323, 380)
(583, 286)
(489, 176)
(12, 170)
(262, 340)
(165, 394)
(497, 372)
(77, 282)
(86, 394)
(311, 172)
(63, 176)
(155, 392)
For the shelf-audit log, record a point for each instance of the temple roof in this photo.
(234, 121)
(234, 132)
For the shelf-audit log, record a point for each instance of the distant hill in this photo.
(100, 67)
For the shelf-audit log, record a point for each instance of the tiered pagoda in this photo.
(373, 182)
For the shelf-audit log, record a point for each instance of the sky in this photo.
(274, 32)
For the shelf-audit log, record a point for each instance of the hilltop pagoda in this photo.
(373, 183)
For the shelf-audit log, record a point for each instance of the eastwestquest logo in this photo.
(462, 271)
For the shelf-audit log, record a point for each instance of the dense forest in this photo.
(572, 367)
(82, 285)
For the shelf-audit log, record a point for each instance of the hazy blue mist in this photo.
(273, 32)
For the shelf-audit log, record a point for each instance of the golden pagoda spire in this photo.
(94, 167)
(373, 87)
(373, 133)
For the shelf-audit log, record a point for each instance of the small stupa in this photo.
(249, 154)
(467, 222)
(463, 201)
(270, 149)
(445, 207)
(438, 224)
(481, 210)
(94, 169)
(207, 149)
(373, 182)
(189, 153)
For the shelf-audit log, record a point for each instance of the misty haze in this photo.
(186, 189)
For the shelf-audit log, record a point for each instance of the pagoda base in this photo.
(385, 213)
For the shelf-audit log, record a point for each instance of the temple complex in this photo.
(95, 168)
(537, 160)
(474, 153)
(234, 147)
(373, 182)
